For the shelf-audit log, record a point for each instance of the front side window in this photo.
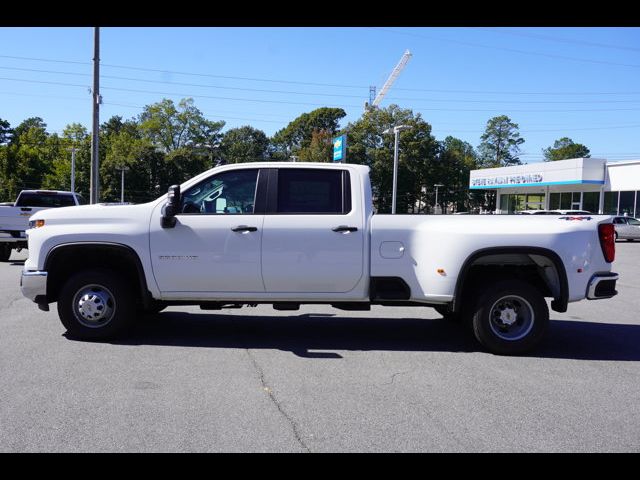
(313, 191)
(633, 221)
(230, 192)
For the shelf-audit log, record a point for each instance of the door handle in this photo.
(344, 228)
(244, 228)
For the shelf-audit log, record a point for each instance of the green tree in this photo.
(298, 134)
(244, 144)
(172, 128)
(145, 178)
(320, 148)
(500, 143)
(456, 159)
(180, 133)
(58, 176)
(368, 145)
(26, 159)
(5, 131)
(565, 148)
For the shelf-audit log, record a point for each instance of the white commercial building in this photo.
(591, 184)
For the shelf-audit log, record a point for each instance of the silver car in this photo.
(627, 228)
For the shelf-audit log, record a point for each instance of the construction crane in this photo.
(374, 102)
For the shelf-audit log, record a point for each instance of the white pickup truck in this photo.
(14, 217)
(305, 233)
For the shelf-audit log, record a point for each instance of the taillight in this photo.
(606, 232)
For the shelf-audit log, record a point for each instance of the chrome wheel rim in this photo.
(94, 306)
(511, 318)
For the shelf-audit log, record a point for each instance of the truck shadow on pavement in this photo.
(323, 335)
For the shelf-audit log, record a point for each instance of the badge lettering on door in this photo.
(177, 257)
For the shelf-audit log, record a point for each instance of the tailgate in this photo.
(16, 219)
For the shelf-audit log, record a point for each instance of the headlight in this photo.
(36, 223)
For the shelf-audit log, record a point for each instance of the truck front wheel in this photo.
(96, 305)
(510, 317)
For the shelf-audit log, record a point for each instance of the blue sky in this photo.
(554, 82)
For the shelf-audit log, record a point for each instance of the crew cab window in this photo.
(49, 200)
(313, 191)
(230, 192)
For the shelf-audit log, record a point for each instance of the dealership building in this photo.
(591, 184)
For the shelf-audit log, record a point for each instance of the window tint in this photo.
(313, 191)
(610, 203)
(226, 193)
(49, 200)
(627, 200)
(619, 221)
(591, 201)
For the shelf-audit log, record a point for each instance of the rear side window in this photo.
(49, 200)
(313, 191)
(619, 221)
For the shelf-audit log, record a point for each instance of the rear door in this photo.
(313, 235)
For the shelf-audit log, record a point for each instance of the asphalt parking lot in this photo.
(320, 380)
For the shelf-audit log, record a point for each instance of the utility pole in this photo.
(122, 169)
(396, 130)
(73, 169)
(94, 189)
(435, 208)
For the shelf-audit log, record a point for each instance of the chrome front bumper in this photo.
(602, 285)
(34, 286)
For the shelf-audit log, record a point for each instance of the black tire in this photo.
(510, 317)
(102, 293)
(5, 252)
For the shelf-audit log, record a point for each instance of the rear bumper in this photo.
(602, 285)
(34, 286)
(12, 237)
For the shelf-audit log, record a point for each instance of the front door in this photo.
(215, 245)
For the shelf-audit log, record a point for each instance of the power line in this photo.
(254, 100)
(479, 92)
(557, 39)
(506, 49)
(289, 92)
(113, 77)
